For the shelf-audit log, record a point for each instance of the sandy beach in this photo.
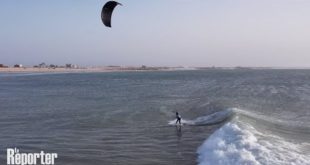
(79, 70)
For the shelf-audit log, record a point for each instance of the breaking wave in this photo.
(238, 142)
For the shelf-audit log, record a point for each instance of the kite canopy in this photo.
(107, 11)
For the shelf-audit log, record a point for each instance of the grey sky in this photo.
(157, 33)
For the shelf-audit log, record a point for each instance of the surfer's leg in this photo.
(178, 121)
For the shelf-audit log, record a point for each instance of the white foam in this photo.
(214, 118)
(236, 143)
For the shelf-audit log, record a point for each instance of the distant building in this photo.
(143, 67)
(53, 66)
(18, 66)
(71, 66)
(3, 66)
(42, 65)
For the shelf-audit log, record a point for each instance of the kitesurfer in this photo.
(178, 117)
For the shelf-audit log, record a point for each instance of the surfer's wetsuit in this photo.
(178, 118)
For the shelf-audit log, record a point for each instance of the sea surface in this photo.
(229, 117)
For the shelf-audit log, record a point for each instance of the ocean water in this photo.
(229, 117)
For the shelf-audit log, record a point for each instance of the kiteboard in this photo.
(173, 123)
(178, 124)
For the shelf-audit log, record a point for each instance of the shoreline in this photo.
(83, 70)
(128, 69)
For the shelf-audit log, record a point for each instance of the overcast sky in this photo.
(157, 33)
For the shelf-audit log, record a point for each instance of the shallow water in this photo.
(123, 118)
